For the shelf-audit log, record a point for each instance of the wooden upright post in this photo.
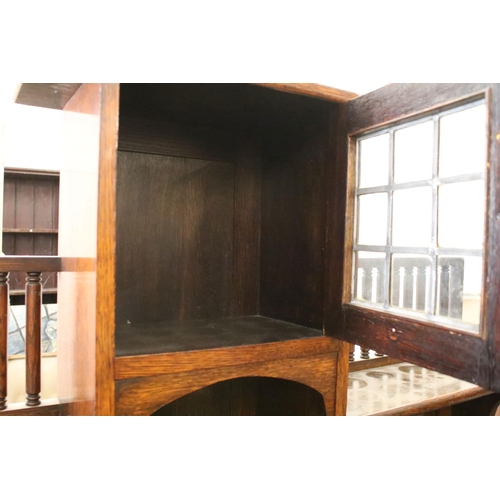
(4, 324)
(33, 338)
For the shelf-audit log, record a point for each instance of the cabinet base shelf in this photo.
(197, 335)
(158, 363)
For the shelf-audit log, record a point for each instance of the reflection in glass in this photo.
(410, 281)
(412, 217)
(372, 225)
(369, 277)
(458, 288)
(374, 161)
(429, 218)
(463, 142)
(461, 215)
(413, 153)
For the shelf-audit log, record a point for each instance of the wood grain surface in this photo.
(47, 95)
(293, 233)
(312, 90)
(181, 361)
(4, 331)
(106, 250)
(175, 219)
(47, 408)
(145, 395)
(33, 338)
(30, 264)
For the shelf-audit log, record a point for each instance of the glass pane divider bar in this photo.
(432, 290)
(390, 196)
(410, 121)
(450, 252)
(475, 176)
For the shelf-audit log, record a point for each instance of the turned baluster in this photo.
(33, 338)
(365, 353)
(4, 324)
(351, 352)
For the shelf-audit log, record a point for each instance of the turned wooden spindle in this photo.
(4, 326)
(379, 354)
(351, 352)
(365, 353)
(33, 338)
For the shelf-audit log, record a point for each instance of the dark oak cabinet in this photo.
(216, 227)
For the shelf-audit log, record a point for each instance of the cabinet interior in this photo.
(221, 216)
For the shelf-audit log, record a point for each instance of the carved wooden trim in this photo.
(127, 367)
(143, 396)
(47, 408)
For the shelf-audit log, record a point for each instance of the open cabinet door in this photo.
(413, 236)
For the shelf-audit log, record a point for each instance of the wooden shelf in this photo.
(158, 363)
(197, 335)
(46, 291)
(365, 364)
(47, 95)
(29, 231)
(406, 389)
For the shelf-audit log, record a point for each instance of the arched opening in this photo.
(248, 396)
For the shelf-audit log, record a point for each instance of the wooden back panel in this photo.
(188, 216)
(175, 238)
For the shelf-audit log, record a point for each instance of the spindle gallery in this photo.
(266, 249)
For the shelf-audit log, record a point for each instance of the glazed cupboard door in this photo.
(414, 239)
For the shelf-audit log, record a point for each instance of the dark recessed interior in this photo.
(221, 213)
(248, 396)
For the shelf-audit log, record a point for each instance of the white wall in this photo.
(32, 137)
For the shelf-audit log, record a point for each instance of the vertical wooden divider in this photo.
(33, 337)
(4, 323)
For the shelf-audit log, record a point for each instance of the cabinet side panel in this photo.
(106, 251)
(293, 229)
(77, 238)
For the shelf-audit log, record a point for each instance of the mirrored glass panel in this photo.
(369, 277)
(463, 142)
(374, 161)
(372, 219)
(458, 288)
(461, 215)
(412, 217)
(413, 152)
(411, 282)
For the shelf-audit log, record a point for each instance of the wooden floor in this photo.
(193, 335)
